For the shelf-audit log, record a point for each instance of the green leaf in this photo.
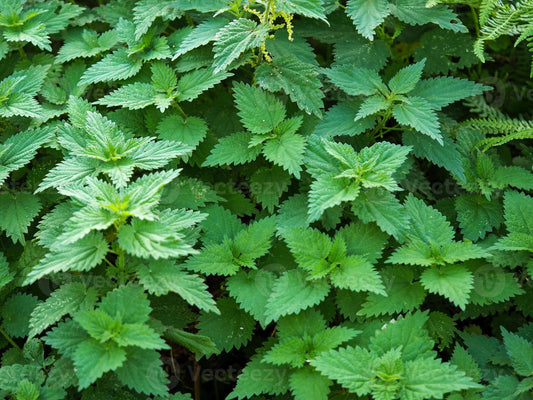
(142, 372)
(372, 105)
(520, 352)
(92, 359)
(135, 96)
(327, 192)
(518, 209)
(292, 292)
(307, 8)
(20, 148)
(252, 291)
(367, 15)
(357, 274)
(233, 149)
(310, 248)
(514, 176)
(161, 277)
(339, 120)
(406, 79)
(357, 81)
(446, 156)
(442, 91)
(213, 260)
(477, 215)
(194, 83)
(235, 38)
(451, 281)
(112, 67)
(200, 345)
(67, 299)
(430, 378)
(427, 224)
(415, 12)
(82, 255)
(403, 294)
(378, 205)
(16, 313)
(18, 212)
(154, 239)
(255, 240)
(202, 34)
(267, 185)
(86, 44)
(66, 337)
(259, 111)
(117, 304)
(260, 378)
(27, 391)
(231, 328)
(308, 384)
(419, 114)
(287, 151)
(351, 367)
(297, 79)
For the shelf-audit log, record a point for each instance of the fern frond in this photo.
(508, 129)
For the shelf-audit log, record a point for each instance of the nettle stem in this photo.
(8, 338)
(179, 109)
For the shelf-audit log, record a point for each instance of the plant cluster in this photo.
(323, 195)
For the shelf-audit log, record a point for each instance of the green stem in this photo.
(121, 267)
(9, 339)
(22, 52)
(180, 110)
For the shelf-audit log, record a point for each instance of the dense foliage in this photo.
(266, 199)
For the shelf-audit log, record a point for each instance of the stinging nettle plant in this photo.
(265, 199)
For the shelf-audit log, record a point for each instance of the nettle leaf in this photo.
(418, 113)
(517, 209)
(341, 174)
(367, 15)
(235, 38)
(81, 255)
(18, 211)
(233, 149)
(477, 215)
(87, 43)
(201, 35)
(403, 294)
(114, 66)
(66, 300)
(307, 8)
(260, 378)
(297, 79)
(520, 352)
(453, 282)
(143, 371)
(231, 328)
(287, 151)
(19, 149)
(415, 12)
(442, 91)
(92, 359)
(356, 81)
(292, 292)
(251, 289)
(161, 277)
(268, 184)
(16, 313)
(260, 112)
